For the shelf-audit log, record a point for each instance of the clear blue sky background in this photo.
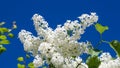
(57, 12)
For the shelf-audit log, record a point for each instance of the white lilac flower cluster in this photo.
(108, 62)
(60, 46)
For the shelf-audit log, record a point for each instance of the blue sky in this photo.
(57, 12)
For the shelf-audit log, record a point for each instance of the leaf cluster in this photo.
(22, 62)
(4, 34)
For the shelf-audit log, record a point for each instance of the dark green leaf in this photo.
(69, 32)
(116, 46)
(2, 49)
(51, 65)
(93, 62)
(73, 56)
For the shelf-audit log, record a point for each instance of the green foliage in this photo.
(115, 44)
(3, 37)
(23, 61)
(2, 49)
(69, 32)
(4, 33)
(73, 56)
(44, 67)
(51, 65)
(20, 65)
(3, 30)
(10, 35)
(94, 52)
(27, 56)
(2, 42)
(100, 28)
(20, 59)
(31, 65)
(93, 62)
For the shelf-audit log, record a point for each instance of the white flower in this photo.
(88, 20)
(38, 61)
(28, 46)
(57, 59)
(105, 57)
(58, 46)
(30, 42)
(108, 62)
(41, 25)
(23, 35)
(78, 63)
(46, 49)
(78, 60)
(67, 66)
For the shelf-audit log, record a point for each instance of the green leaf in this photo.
(115, 44)
(44, 67)
(4, 42)
(93, 62)
(73, 56)
(10, 35)
(20, 59)
(31, 65)
(51, 65)
(20, 65)
(27, 56)
(3, 37)
(2, 30)
(2, 49)
(69, 32)
(5, 29)
(101, 28)
(94, 52)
